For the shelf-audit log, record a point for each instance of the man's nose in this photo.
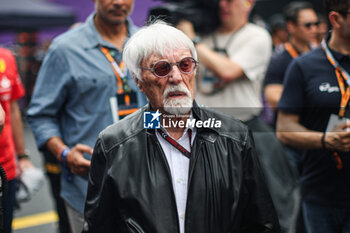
(223, 3)
(175, 75)
(118, 1)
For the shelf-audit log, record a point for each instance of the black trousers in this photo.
(53, 172)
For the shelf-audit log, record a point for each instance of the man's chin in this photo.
(177, 111)
(178, 106)
(117, 20)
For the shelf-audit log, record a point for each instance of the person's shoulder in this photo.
(7, 55)
(313, 57)
(312, 54)
(282, 57)
(123, 130)
(252, 33)
(229, 126)
(256, 29)
(5, 51)
(69, 39)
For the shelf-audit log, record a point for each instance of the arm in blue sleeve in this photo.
(50, 93)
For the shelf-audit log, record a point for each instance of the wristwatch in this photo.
(196, 40)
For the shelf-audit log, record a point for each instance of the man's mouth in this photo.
(176, 94)
(224, 13)
(118, 12)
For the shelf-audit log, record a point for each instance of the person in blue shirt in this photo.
(82, 87)
(301, 23)
(314, 116)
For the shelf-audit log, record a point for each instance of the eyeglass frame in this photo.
(171, 67)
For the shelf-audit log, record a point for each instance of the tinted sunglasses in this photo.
(162, 68)
(309, 24)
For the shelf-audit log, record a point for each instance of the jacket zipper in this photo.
(132, 224)
(194, 162)
(169, 177)
(190, 175)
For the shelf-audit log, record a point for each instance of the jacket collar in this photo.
(208, 134)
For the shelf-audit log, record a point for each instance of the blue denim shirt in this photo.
(71, 97)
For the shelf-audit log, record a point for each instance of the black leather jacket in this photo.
(130, 187)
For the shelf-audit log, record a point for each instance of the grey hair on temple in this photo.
(156, 38)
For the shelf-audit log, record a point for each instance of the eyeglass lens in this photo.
(163, 68)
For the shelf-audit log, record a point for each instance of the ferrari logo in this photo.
(2, 65)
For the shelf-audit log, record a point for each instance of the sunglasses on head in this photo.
(162, 68)
(309, 24)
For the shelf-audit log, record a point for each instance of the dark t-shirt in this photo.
(311, 91)
(274, 75)
(277, 68)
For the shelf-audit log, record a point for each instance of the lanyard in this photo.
(124, 91)
(175, 144)
(291, 50)
(345, 92)
(341, 76)
(121, 77)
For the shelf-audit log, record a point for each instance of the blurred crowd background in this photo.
(28, 26)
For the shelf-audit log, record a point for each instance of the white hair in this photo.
(155, 38)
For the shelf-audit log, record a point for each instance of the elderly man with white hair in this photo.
(174, 166)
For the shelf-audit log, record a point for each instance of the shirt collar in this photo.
(199, 114)
(338, 56)
(93, 37)
(193, 129)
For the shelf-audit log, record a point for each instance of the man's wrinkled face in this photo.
(173, 93)
(114, 11)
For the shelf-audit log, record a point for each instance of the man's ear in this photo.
(138, 83)
(249, 4)
(335, 19)
(290, 26)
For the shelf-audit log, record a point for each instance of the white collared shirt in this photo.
(179, 168)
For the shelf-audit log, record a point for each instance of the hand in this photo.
(76, 162)
(187, 28)
(338, 139)
(24, 164)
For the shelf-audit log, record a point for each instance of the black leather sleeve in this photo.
(259, 215)
(100, 207)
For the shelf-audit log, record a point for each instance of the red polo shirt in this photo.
(11, 89)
